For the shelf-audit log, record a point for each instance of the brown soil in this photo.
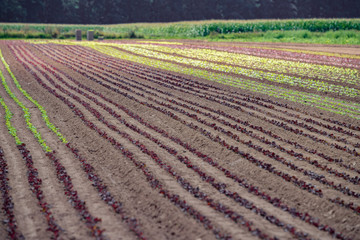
(158, 217)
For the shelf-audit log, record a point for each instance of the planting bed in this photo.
(179, 140)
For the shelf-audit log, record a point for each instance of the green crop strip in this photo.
(257, 74)
(313, 52)
(326, 103)
(27, 115)
(330, 104)
(319, 71)
(8, 116)
(44, 115)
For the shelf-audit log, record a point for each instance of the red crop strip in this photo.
(295, 122)
(247, 99)
(274, 144)
(76, 202)
(221, 187)
(154, 183)
(344, 190)
(325, 227)
(341, 203)
(313, 175)
(7, 203)
(354, 180)
(101, 188)
(186, 185)
(65, 180)
(35, 186)
(267, 167)
(245, 123)
(276, 202)
(191, 82)
(217, 139)
(105, 194)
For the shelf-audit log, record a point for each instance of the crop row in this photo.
(7, 203)
(63, 177)
(221, 188)
(325, 58)
(307, 70)
(90, 171)
(161, 131)
(154, 183)
(32, 173)
(87, 76)
(27, 114)
(270, 154)
(325, 103)
(112, 113)
(242, 104)
(169, 149)
(274, 156)
(98, 82)
(271, 77)
(140, 71)
(188, 163)
(180, 81)
(41, 108)
(208, 134)
(232, 118)
(273, 144)
(233, 215)
(227, 173)
(352, 206)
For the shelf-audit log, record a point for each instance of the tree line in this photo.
(126, 11)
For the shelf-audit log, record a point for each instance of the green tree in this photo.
(12, 11)
(121, 11)
(34, 10)
(111, 11)
(284, 9)
(53, 11)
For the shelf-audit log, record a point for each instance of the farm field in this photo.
(179, 139)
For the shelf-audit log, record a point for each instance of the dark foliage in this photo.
(123, 11)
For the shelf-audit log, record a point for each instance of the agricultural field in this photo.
(179, 139)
